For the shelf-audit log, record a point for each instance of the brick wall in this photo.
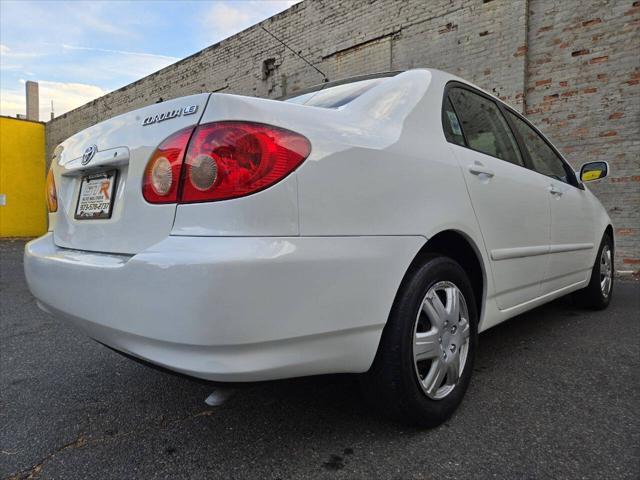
(583, 90)
(570, 64)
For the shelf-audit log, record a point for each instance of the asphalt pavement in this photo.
(555, 394)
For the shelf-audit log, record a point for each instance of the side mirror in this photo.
(592, 171)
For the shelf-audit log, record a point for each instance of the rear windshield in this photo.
(334, 97)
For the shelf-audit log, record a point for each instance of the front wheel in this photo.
(425, 358)
(598, 293)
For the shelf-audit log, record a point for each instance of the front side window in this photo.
(484, 127)
(543, 159)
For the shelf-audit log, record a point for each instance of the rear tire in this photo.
(597, 295)
(425, 358)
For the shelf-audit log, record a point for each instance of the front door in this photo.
(571, 247)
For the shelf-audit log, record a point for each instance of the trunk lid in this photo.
(121, 148)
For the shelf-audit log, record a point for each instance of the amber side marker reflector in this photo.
(52, 196)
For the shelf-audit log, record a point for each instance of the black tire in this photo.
(592, 296)
(392, 385)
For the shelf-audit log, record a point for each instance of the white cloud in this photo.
(10, 66)
(226, 19)
(101, 66)
(109, 64)
(12, 102)
(6, 52)
(65, 96)
(120, 66)
(94, 21)
(11, 55)
(121, 52)
(70, 20)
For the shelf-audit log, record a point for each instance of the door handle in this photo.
(479, 169)
(553, 190)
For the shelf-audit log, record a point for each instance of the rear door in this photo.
(571, 236)
(106, 163)
(510, 201)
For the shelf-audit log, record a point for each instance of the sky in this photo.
(81, 50)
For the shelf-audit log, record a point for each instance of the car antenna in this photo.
(326, 79)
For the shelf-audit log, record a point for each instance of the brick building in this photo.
(572, 66)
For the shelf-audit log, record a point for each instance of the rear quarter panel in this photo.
(390, 171)
(386, 169)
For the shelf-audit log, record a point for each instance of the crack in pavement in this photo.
(82, 441)
(34, 471)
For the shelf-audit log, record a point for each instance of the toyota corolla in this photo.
(371, 226)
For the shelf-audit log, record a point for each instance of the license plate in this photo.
(96, 197)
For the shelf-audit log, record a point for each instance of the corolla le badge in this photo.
(177, 112)
(88, 154)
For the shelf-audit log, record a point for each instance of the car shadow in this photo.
(312, 403)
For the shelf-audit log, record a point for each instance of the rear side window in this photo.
(451, 124)
(484, 127)
(543, 159)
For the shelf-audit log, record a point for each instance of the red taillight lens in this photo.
(234, 159)
(162, 174)
(52, 195)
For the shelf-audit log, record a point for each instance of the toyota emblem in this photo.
(88, 154)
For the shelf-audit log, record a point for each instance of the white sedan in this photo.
(372, 226)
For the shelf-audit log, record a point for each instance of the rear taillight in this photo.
(161, 179)
(234, 159)
(51, 194)
(224, 160)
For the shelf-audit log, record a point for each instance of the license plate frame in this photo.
(95, 201)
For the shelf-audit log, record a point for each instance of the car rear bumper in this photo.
(230, 308)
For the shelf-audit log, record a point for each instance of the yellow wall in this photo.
(22, 178)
